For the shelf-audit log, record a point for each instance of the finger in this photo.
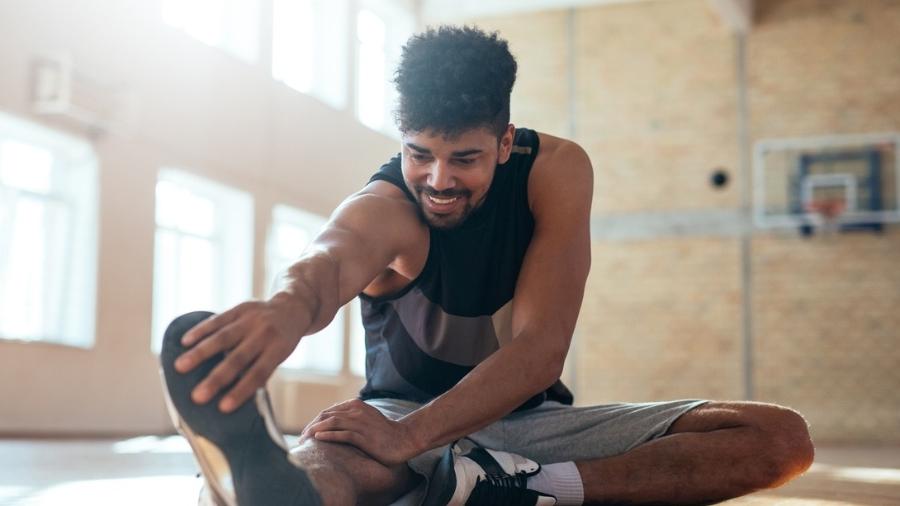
(343, 407)
(211, 324)
(255, 378)
(340, 422)
(222, 340)
(335, 410)
(324, 415)
(343, 436)
(330, 423)
(224, 374)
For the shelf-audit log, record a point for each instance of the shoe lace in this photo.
(502, 490)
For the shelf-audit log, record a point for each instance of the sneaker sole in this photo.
(241, 454)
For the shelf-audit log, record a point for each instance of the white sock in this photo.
(561, 480)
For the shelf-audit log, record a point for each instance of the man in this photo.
(470, 253)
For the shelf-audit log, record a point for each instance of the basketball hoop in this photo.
(827, 213)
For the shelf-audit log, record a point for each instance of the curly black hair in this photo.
(452, 79)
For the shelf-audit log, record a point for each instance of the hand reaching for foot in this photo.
(257, 336)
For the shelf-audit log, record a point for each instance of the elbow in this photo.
(540, 356)
(548, 369)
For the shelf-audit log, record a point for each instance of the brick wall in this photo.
(541, 94)
(656, 100)
(661, 320)
(826, 316)
(656, 104)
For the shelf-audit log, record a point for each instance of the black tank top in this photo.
(421, 341)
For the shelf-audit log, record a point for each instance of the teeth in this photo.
(442, 201)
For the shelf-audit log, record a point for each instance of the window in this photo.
(370, 94)
(48, 235)
(231, 25)
(204, 248)
(357, 340)
(309, 46)
(292, 231)
(382, 28)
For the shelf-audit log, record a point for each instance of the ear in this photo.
(506, 144)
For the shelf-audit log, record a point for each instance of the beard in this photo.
(446, 221)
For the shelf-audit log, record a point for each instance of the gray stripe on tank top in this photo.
(460, 340)
(387, 378)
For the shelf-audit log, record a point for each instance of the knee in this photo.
(344, 466)
(785, 448)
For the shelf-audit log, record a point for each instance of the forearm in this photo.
(313, 284)
(489, 392)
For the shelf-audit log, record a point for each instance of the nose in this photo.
(439, 177)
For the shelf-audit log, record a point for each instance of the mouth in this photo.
(441, 205)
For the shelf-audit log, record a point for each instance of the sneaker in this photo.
(242, 455)
(484, 477)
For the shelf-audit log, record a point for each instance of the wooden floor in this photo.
(160, 471)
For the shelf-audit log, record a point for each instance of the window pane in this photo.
(167, 196)
(227, 24)
(320, 352)
(290, 241)
(370, 28)
(309, 46)
(357, 339)
(372, 84)
(196, 283)
(23, 290)
(179, 208)
(382, 28)
(290, 234)
(198, 215)
(165, 283)
(25, 166)
(198, 264)
(293, 44)
(47, 235)
(202, 19)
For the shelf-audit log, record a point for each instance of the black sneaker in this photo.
(484, 477)
(242, 454)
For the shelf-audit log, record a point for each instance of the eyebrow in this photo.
(455, 154)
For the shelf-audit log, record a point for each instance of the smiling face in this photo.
(450, 176)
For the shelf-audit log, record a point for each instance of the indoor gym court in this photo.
(743, 226)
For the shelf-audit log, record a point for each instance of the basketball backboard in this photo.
(793, 177)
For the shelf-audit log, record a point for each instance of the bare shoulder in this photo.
(562, 173)
(381, 202)
(382, 220)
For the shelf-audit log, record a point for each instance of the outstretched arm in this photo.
(369, 232)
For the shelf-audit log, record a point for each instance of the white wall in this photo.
(200, 109)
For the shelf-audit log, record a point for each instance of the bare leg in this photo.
(343, 475)
(715, 452)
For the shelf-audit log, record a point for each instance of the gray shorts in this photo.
(554, 432)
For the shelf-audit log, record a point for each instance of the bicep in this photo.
(365, 235)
